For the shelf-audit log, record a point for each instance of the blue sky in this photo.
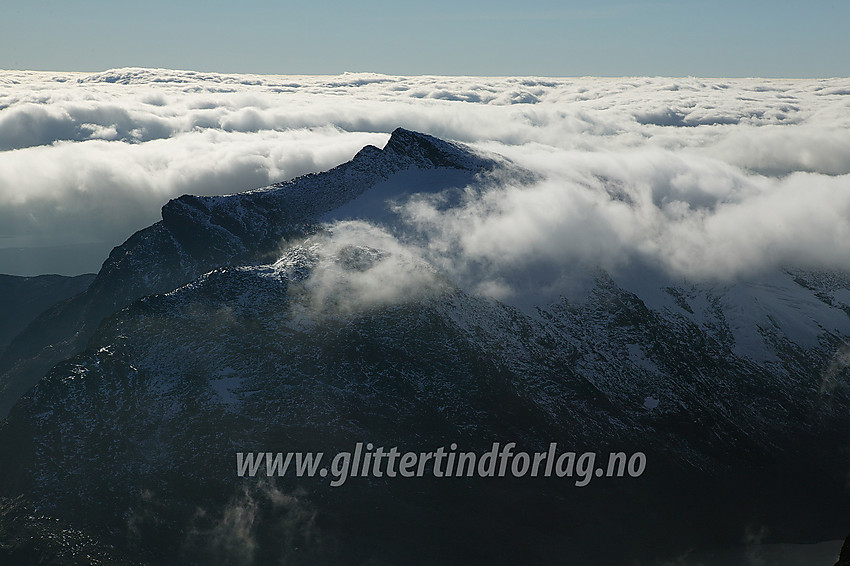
(566, 38)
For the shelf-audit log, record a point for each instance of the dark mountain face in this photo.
(24, 298)
(128, 448)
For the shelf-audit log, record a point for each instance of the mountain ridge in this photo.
(197, 234)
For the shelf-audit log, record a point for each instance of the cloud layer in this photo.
(698, 176)
(687, 215)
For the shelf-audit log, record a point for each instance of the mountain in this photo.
(844, 557)
(22, 299)
(198, 234)
(277, 332)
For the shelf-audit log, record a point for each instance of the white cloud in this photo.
(712, 168)
(356, 266)
(689, 215)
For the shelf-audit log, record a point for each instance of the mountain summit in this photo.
(198, 234)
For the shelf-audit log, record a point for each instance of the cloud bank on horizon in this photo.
(705, 178)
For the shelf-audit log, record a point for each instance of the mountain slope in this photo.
(306, 336)
(140, 431)
(22, 299)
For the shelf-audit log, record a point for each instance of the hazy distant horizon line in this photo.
(472, 75)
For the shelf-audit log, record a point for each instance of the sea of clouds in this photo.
(704, 178)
